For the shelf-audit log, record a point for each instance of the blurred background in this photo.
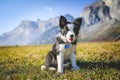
(33, 22)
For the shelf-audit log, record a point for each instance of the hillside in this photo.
(100, 23)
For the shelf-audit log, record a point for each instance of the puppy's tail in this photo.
(43, 67)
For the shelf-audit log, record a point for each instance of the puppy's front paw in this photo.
(76, 68)
(60, 71)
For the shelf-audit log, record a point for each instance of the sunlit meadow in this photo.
(97, 61)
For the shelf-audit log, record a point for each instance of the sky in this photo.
(12, 12)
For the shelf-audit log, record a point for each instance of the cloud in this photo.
(48, 8)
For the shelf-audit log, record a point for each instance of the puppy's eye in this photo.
(75, 24)
(67, 28)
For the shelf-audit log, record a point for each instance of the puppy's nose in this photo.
(71, 35)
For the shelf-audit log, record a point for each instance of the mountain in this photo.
(97, 12)
(101, 32)
(69, 17)
(115, 8)
(21, 35)
(30, 31)
(27, 32)
(99, 24)
(49, 36)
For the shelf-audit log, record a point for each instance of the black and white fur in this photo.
(64, 50)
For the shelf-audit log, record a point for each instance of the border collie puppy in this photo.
(63, 52)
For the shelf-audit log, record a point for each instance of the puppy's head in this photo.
(70, 30)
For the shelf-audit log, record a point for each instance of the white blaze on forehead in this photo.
(70, 32)
(70, 26)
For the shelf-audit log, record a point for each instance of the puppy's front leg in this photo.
(73, 60)
(60, 60)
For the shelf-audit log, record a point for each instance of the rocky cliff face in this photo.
(114, 8)
(96, 13)
(99, 22)
(113, 4)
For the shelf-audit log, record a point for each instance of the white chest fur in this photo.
(66, 51)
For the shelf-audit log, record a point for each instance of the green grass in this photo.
(97, 61)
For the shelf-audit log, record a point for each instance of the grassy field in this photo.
(97, 61)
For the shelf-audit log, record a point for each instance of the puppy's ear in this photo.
(62, 22)
(77, 22)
